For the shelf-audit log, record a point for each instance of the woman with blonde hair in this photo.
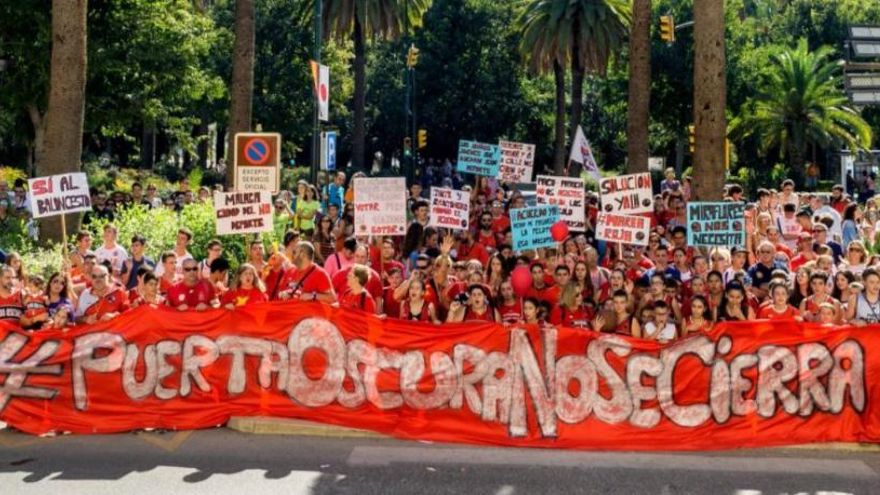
(570, 311)
(856, 258)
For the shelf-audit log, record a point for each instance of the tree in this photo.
(363, 19)
(67, 88)
(639, 96)
(710, 98)
(583, 33)
(799, 104)
(242, 87)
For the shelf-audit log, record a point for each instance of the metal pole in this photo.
(414, 140)
(316, 124)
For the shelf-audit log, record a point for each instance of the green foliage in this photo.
(194, 177)
(43, 261)
(13, 234)
(11, 174)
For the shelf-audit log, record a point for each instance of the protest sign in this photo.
(59, 194)
(531, 227)
(478, 158)
(716, 224)
(243, 212)
(568, 194)
(627, 194)
(379, 206)
(517, 160)
(744, 384)
(449, 208)
(627, 229)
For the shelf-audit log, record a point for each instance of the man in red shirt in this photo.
(306, 281)
(11, 301)
(805, 252)
(356, 296)
(193, 292)
(468, 249)
(103, 301)
(540, 289)
(485, 234)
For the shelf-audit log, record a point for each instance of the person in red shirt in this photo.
(779, 308)
(193, 292)
(485, 234)
(169, 275)
(148, 291)
(11, 300)
(306, 281)
(509, 306)
(386, 261)
(805, 252)
(570, 311)
(540, 289)
(469, 249)
(391, 304)
(103, 301)
(374, 283)
(474, 306)
(357, 296)
(248, 289)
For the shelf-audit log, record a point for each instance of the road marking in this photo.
(505, 490)
(384, 456)
(164, 479)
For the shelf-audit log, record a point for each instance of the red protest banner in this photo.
(743, 385)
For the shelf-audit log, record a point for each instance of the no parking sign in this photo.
(257, 162)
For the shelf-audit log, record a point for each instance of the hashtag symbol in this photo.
(17, 373)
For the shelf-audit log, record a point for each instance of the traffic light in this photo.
(423, 139)
(407, 146)
(692, 138)
(667, 28)
(412, 56)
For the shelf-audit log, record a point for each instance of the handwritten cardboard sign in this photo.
(450, 209)
(626, 229)
(59, 194)
(531, 227)
(627, 194)
(716, 224)
(243, 212)
(478, 158)
(568, 194)
(517, 161)
(380, 206)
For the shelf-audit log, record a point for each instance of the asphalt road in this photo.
(219, 462)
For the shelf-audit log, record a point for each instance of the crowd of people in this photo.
(807, 257)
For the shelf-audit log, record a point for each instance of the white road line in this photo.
(384, 456)
(162, 480)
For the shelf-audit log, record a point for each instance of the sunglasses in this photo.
(190, 269)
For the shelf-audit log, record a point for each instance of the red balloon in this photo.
(559, 231)
(521, 280)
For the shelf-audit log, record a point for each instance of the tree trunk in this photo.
(360, 97)
(38, 121)
(66, 109)
(577, 92)
(148, 145)
(242, 90)
(202, 136)
(639, 103)
(559, 123)
(710, 97)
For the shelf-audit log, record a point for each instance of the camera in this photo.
(462, 298)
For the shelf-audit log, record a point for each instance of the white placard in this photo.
(626, 229)
(379, 206)
(627, 194)
(243, 212)
(58, 194)
(450, 209)
(568, 194)
(517, 161)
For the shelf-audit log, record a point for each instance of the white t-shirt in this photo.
(667, 333)
(116, 255)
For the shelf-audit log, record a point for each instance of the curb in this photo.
(263, 425)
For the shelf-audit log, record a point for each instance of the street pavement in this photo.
(221, 461)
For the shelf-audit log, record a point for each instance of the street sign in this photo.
(328, 150)
(257, 161)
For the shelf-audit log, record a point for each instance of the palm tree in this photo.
(639, 97)
(67, 88)
(363, 19)
(710, 99)
(242, 88)
(582, 33)
(800, 104)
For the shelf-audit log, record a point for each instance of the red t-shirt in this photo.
(389, 304)
(768, 313)
(511, 313)
(273, 281)
(310, 280)
(12, 307)
(115, 301)
(180, 293)
(548, 293)
(487, 240)
(578, 318)
(362, 302)
(243, 297)
(35, 305)
(165, 284)
(476, 251)
(374, 283)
